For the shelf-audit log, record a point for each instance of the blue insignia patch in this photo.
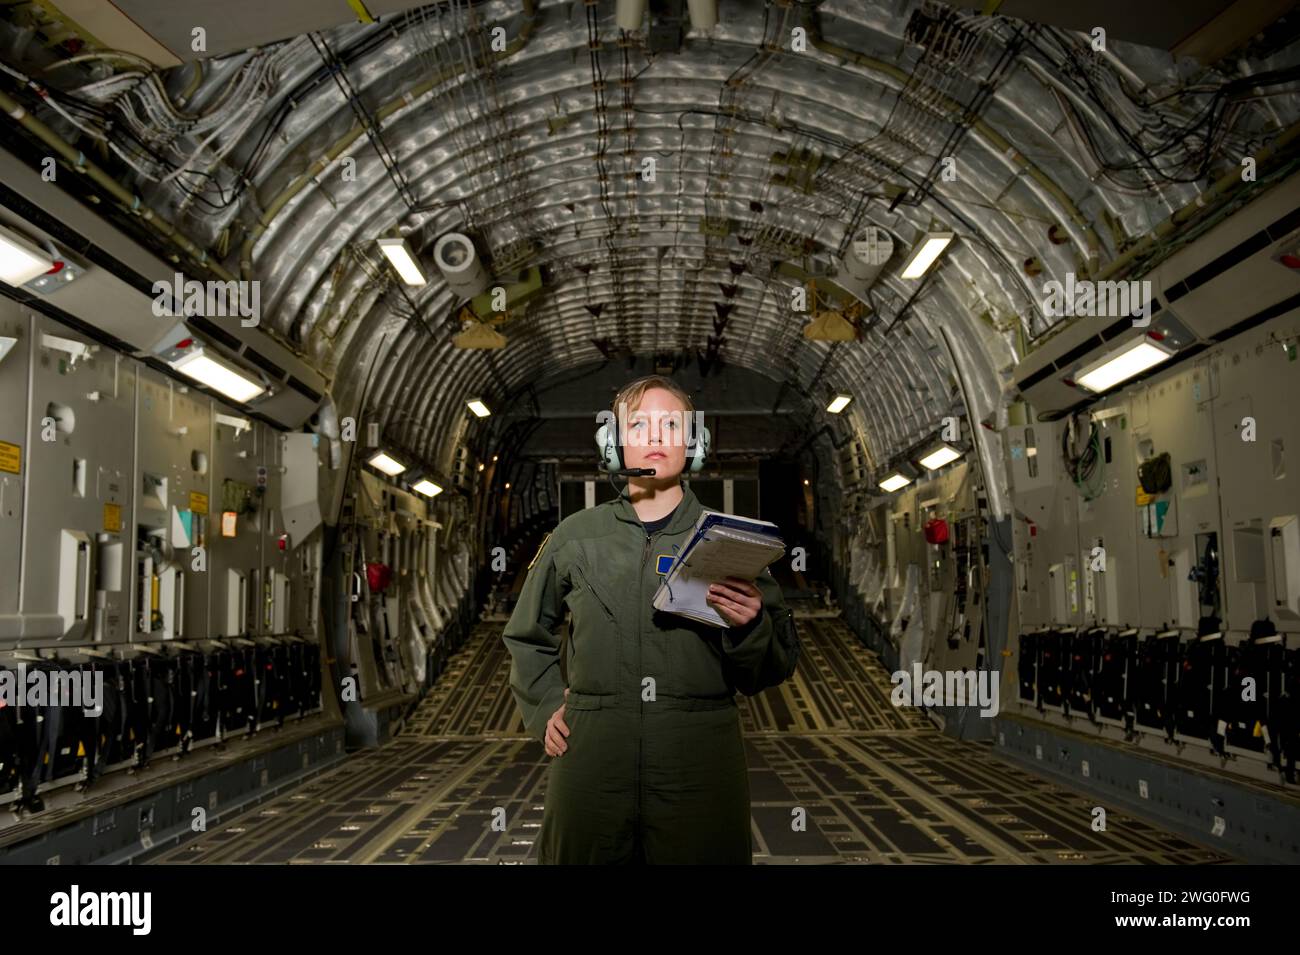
(664, 563)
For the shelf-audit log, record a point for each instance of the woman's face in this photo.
(656, 434)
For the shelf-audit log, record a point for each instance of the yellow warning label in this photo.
(113, 517)
(11, 458)
(198, 502)
(1143, 498)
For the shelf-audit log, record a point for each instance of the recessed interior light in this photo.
(399, 254)
(383, 462)
(1122, 364)
(219, 375)
(925, 254)
(943, 454)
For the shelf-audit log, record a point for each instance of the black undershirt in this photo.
(653, 527)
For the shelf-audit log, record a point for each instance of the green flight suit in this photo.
(661, 779)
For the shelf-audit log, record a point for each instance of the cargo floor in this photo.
(879, 784)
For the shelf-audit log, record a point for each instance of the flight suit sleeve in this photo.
(763, 653)
(535, 677)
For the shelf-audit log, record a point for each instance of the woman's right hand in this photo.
(555, 726)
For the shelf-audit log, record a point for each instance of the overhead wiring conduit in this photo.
(344, 143)
(130, 202)
(1220, 191)
(1092, 242)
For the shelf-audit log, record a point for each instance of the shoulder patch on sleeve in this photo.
(540, 549)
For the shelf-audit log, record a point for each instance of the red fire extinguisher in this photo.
(936, 530)
(378, 576)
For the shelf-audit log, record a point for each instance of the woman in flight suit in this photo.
(648, 760)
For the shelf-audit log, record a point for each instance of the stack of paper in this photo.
(723, 545)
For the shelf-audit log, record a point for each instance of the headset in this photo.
(611, 451)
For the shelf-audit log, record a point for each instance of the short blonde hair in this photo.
(633, 391)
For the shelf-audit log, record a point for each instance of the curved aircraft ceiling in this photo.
(776, 137)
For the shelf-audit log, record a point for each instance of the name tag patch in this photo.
(664, 563)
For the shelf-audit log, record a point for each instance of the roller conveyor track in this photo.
(879, 784)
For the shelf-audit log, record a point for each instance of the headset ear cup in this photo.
(616, 450)
(701, 450)
(609, 455)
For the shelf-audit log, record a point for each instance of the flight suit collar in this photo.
(684, 517)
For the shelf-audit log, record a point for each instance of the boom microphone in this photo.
(626, 472)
